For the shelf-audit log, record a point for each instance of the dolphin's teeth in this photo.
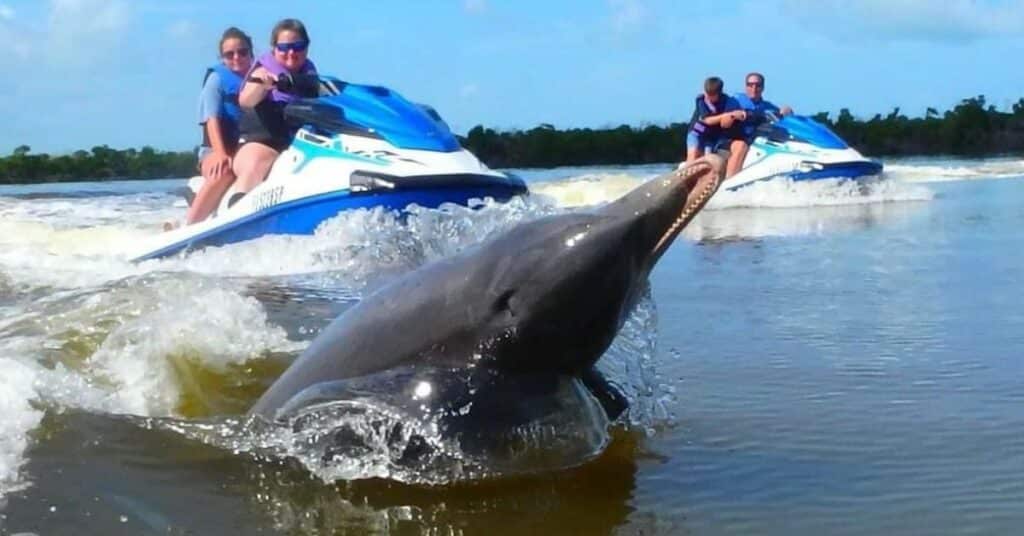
(693, 206)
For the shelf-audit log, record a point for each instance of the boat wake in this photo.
(191, 339)
(366, 428)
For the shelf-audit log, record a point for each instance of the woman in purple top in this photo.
(263, 127)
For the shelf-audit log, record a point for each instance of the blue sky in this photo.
(126, 73)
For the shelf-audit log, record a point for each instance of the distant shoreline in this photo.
(970, 129)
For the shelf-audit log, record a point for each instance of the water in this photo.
(816, 358)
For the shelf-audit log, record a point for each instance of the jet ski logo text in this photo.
(268, 199)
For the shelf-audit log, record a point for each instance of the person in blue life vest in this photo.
(757, 109)
(219, 117)
(265, 133)
(716, 122)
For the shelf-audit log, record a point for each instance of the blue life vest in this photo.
(703, 108)
(230, 112)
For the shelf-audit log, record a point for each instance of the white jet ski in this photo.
(358, 146)
(800, 148)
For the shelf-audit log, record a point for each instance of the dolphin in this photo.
(521, 312)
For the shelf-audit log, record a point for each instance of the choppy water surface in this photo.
(815, 358)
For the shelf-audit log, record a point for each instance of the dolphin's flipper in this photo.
(607, 393)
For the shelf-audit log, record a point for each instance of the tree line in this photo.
(101, 163)
(971, 128)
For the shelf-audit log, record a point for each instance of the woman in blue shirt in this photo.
(219, 114)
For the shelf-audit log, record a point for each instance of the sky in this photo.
(126, 73)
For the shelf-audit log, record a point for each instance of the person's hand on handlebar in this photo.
(268, 79)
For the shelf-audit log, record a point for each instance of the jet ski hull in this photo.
(302, 216)
(800, 149)
(840, 170)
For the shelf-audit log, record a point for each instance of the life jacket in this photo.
(230, 112)
(703, 109)
(266, 121)
(270, 63)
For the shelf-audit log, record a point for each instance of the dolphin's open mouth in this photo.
(702, 179)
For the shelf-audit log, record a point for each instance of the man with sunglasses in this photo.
(755, 105)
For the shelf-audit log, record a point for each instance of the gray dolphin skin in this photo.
(542, 300)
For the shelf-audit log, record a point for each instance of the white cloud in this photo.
(183, 29)
(18, 38)
(82, 30)
(79, 17)
(474, 6)
(911, 20)
(468, 90)
(628, 15)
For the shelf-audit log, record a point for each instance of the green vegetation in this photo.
(101, 163)
(971, 128)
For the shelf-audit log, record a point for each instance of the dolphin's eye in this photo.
(504, 303)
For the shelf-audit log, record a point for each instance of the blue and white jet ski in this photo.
(800, 148)
(358, 146)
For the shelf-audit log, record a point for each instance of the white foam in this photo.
(219, 326)
(953, 170)
(150, 323)
(19, 418)
(589, 189)
(786, 193)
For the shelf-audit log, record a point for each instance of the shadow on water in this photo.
(101, 474)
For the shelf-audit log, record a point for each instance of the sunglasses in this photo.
(755, 84)
(237, 53)
(297, 46)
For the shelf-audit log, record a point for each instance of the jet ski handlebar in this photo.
(293, 83)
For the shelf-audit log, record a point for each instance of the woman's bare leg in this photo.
(210, 193)
(252, 164)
